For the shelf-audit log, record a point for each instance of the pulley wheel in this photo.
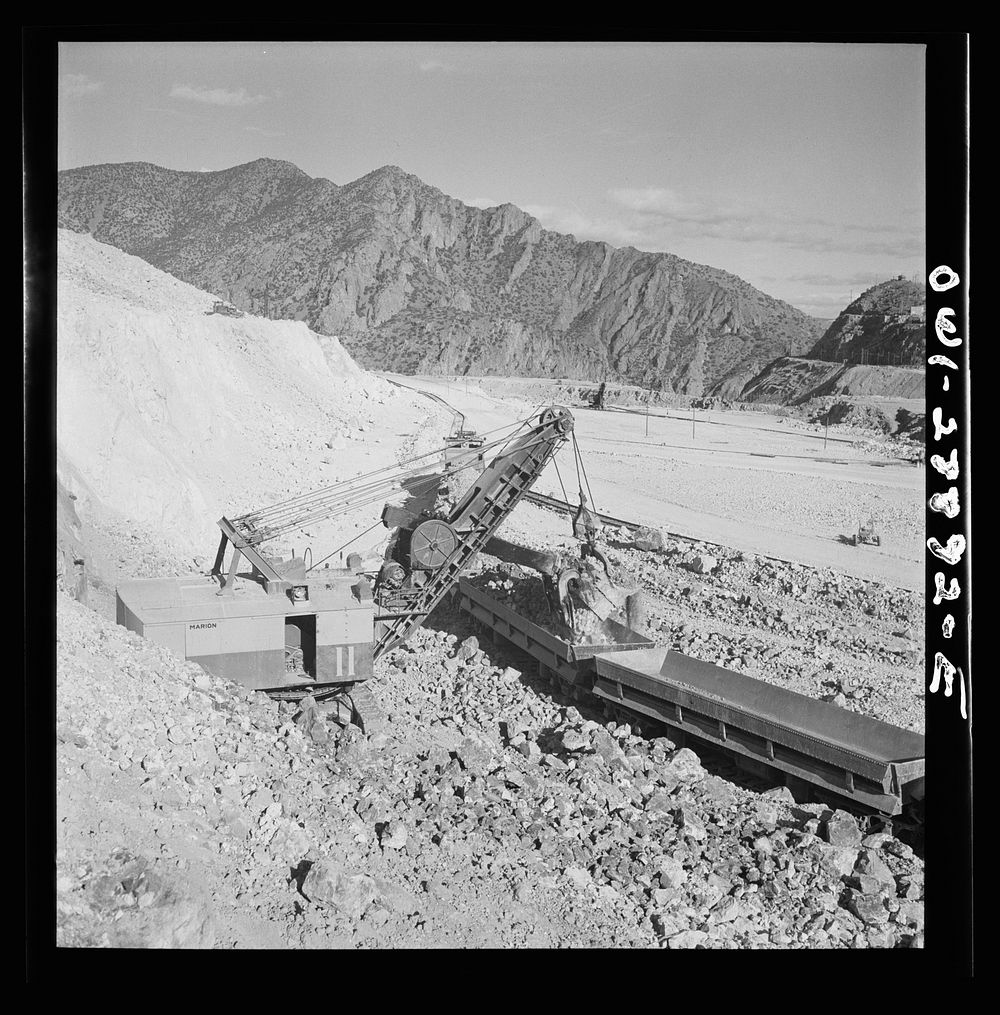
(431, 544)
(557, 412)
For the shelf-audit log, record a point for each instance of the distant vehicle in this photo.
(866, 534)
(465, 439)
(227, 309)
(462, 438)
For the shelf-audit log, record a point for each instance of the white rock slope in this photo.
(172, 415)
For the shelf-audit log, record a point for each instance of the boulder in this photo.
(672, 872)
(871, 864)
(842, 830)
(662, 897)
(687, 939)
(704, 564)
(474, 757)
(648, 538)
(580, 877)
(574, 740)
(868, 908)
(780, 793)
(726, 910)
(395, 898)
(179, 920)
(394, 835)
(691, 824)
(468, 648)
(910, 914)
(664, 926)
(838, 860)
(328, 884)
(660, 804)
(685, 765)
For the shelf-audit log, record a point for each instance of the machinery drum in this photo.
(431, 544)
(556, 413)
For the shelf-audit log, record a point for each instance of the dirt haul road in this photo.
(748, 481)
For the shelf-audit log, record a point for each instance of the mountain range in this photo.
(414, 281)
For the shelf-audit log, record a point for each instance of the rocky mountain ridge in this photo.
(415, 281)
(885, 325)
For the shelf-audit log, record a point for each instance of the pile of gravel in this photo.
(193, 813)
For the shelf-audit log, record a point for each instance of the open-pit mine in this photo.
(355, 659)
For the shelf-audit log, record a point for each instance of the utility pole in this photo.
(826, 430)
(692, 422)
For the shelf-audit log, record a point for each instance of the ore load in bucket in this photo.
(591, 601)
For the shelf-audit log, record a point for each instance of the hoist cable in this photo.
(583, 466)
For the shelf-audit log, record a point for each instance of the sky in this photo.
(797, 166)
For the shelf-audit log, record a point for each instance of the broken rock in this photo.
(685, 765)
(468, 648)
(690, 824)
(395, 898)
(328, 885)
(394, 835)
(704, 564)
(647, 538)
(688, 939)
(838, 860)
(574, 740)
(868, 908)
(580, 877)
(842, 830)
(872, 865)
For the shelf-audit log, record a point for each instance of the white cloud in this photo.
(828, 301)
(586, 227)
(658, 200)
(481, 202)
(265, 133)
(429, 66)
(216, 96)
(657, 215)
(75, 85)
(864, 278)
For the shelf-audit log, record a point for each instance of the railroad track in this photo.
(555, 504)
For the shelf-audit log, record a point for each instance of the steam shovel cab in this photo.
(265, 642)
